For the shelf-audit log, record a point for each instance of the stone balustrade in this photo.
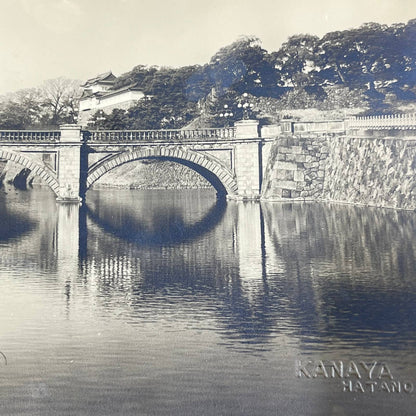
(30, 136)
(331, 126)
(242, 130)
(108, 136)
(383, 122)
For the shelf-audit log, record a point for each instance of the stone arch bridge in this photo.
(70, 160)
(233, 160)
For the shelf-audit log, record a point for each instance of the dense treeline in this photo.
(372, 67)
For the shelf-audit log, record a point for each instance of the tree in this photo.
(61, 100)
(156, 113)
(244, 66)
(116, 120)
(296, 60)
(365, 57)
(407, 48)
(140, 75)
(21, 110)
(54, 103)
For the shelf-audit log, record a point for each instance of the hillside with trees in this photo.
(366, 70)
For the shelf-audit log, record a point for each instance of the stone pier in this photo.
(69, 162)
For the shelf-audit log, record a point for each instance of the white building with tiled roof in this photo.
(99, 94)
(100, 83)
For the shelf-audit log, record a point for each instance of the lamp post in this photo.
(246, 106)
(171, 122)
(99, 119)
(226, 115)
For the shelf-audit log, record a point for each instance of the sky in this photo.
(78, 39)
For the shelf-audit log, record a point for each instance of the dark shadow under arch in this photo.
(219, 176)
(205, 173)
(176, 233)
(31, 167)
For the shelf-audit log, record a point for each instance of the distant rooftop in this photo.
(132, 87)
(105, 78)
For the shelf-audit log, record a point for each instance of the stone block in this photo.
(273, 130)
(313, 175)
(216, 170)
(247, 129)
(285, 175)
(290, 157)
(287, 184)
(282, 141)
(296, 149)
(298, 176)
(301, 158)
(70, 133)
(287, 165)
(276, 192)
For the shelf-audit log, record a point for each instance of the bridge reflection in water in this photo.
(318, 272)
(115, 304)
(309, 270)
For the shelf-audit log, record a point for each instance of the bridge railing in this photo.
(124, 136)
(383, 122)
(30, 135)
(332, 126)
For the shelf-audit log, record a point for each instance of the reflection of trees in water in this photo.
(31, 246)
(348, 238)
(29, 233)
(329, 273)
(13, 225)
(348, 271)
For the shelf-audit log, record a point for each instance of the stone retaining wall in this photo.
(363, 171)
(372, 171)
(296, 168)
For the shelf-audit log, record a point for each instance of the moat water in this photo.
(171, 303)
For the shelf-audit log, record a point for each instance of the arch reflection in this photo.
(160, 225)
(321, 275)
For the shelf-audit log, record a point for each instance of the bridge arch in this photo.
(38, 170)
(220, 177)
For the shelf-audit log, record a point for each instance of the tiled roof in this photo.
(132, 87)
(108, 93)
(105, 77)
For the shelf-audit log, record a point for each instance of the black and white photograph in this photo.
(207, 208)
